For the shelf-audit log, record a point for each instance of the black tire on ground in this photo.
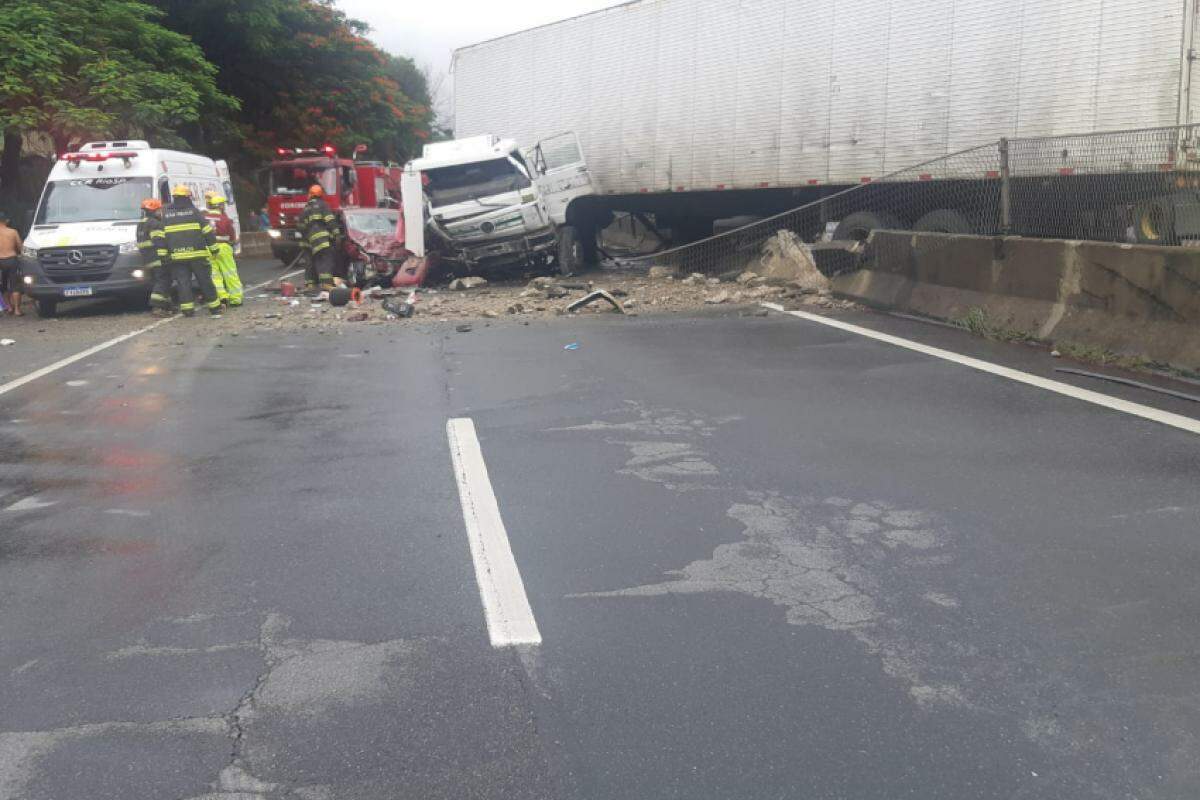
(858, 226)
(570, 251)
(1154, 222)
(46, 308)
(588, 239)
(944, 220)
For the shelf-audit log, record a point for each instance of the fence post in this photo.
(1006, 226)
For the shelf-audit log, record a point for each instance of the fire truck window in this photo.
(293, 180)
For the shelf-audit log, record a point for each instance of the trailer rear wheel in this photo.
(1154, 222)
(943, 220)
(858, 226)
(570, 251)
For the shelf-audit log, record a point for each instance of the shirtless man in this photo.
(10, 274)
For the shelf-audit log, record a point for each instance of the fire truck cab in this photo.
(348, 183)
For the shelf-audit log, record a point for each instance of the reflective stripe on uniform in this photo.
(182, 227)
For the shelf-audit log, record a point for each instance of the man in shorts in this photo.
(10, 273)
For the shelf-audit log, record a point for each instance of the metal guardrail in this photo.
(1139, 185)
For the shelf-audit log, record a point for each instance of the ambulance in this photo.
(83, 239)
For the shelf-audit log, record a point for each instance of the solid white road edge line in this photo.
(505, 605)
(91, 351)
(1116, 404)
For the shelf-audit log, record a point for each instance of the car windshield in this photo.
(295, 179)
(464, 182)
(372, 223)
(93, 200)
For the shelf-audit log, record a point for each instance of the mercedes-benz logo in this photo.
(75, 257)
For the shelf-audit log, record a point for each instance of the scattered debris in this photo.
(470, 282)
(287, 288)
(466, 327)
(1055, 354)
(401, 309)
(599, 294)
(7, 342)
(339, 297)
(358, 316)
(717, 299)
(659, 273)
(556, 292)
(572, 346)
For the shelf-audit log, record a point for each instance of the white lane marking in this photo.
(1179, 421)
(30, 504)
(505, 605)
(91, 351)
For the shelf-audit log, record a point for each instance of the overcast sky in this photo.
(428, 32)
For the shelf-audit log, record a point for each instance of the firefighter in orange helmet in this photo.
(322, 234)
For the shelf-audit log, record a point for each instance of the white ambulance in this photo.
(83, 239)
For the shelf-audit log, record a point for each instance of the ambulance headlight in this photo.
(28, 280)
(137, 274)
(29, 252)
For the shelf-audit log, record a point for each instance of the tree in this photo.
(306, 75)
(80, 69)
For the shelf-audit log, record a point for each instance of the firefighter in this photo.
(321, 234)
(187, 245)
(224, 266)
(149, 242)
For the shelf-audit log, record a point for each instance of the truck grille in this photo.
(77, 264)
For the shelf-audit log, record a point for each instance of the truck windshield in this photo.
(290, 179)
(93, 200)
(464, 182)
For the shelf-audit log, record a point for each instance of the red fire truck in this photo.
(348, 183)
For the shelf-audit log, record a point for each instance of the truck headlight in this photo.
(29, 252)
(128, 247)
(274, 233)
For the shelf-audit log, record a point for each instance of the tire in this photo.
(570, 251)
(47, 308)
(944, 220)
(858, 226)
(1154, 222)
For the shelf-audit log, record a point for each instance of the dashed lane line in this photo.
(91, 351)
(1179, 421)
(506, 608)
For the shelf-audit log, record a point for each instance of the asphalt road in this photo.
(767, 559)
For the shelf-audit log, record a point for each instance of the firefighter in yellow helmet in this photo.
(187, 245)
(322, 235)
(224, 267)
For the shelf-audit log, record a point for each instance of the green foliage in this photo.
(978, 322)
(306, 75)
(98, 68)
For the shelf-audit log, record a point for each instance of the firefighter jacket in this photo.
(187, 235)
(149, 240)
(318, 225)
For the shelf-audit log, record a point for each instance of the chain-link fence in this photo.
(1136, 186)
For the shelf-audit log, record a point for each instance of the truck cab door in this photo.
(561, 173)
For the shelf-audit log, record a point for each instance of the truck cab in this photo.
(487, 205)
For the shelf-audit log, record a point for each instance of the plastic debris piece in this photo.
(287, 288)
(572, 346)
(7, 342)
(464, 328)
(398, 309)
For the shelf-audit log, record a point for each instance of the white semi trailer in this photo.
(693, 110)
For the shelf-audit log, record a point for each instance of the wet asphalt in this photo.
(768, 559)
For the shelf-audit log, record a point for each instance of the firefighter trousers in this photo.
(225, 275)
(160, 288)
(320, 268)
(183, 271)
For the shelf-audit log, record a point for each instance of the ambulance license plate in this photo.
(77, 291)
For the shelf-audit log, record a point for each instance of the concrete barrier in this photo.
(256, 245)
(1127, 299)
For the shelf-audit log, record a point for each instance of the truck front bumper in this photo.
(507, 250)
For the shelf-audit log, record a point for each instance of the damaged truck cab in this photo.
(484, 205)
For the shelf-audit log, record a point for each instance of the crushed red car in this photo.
(375, 249)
